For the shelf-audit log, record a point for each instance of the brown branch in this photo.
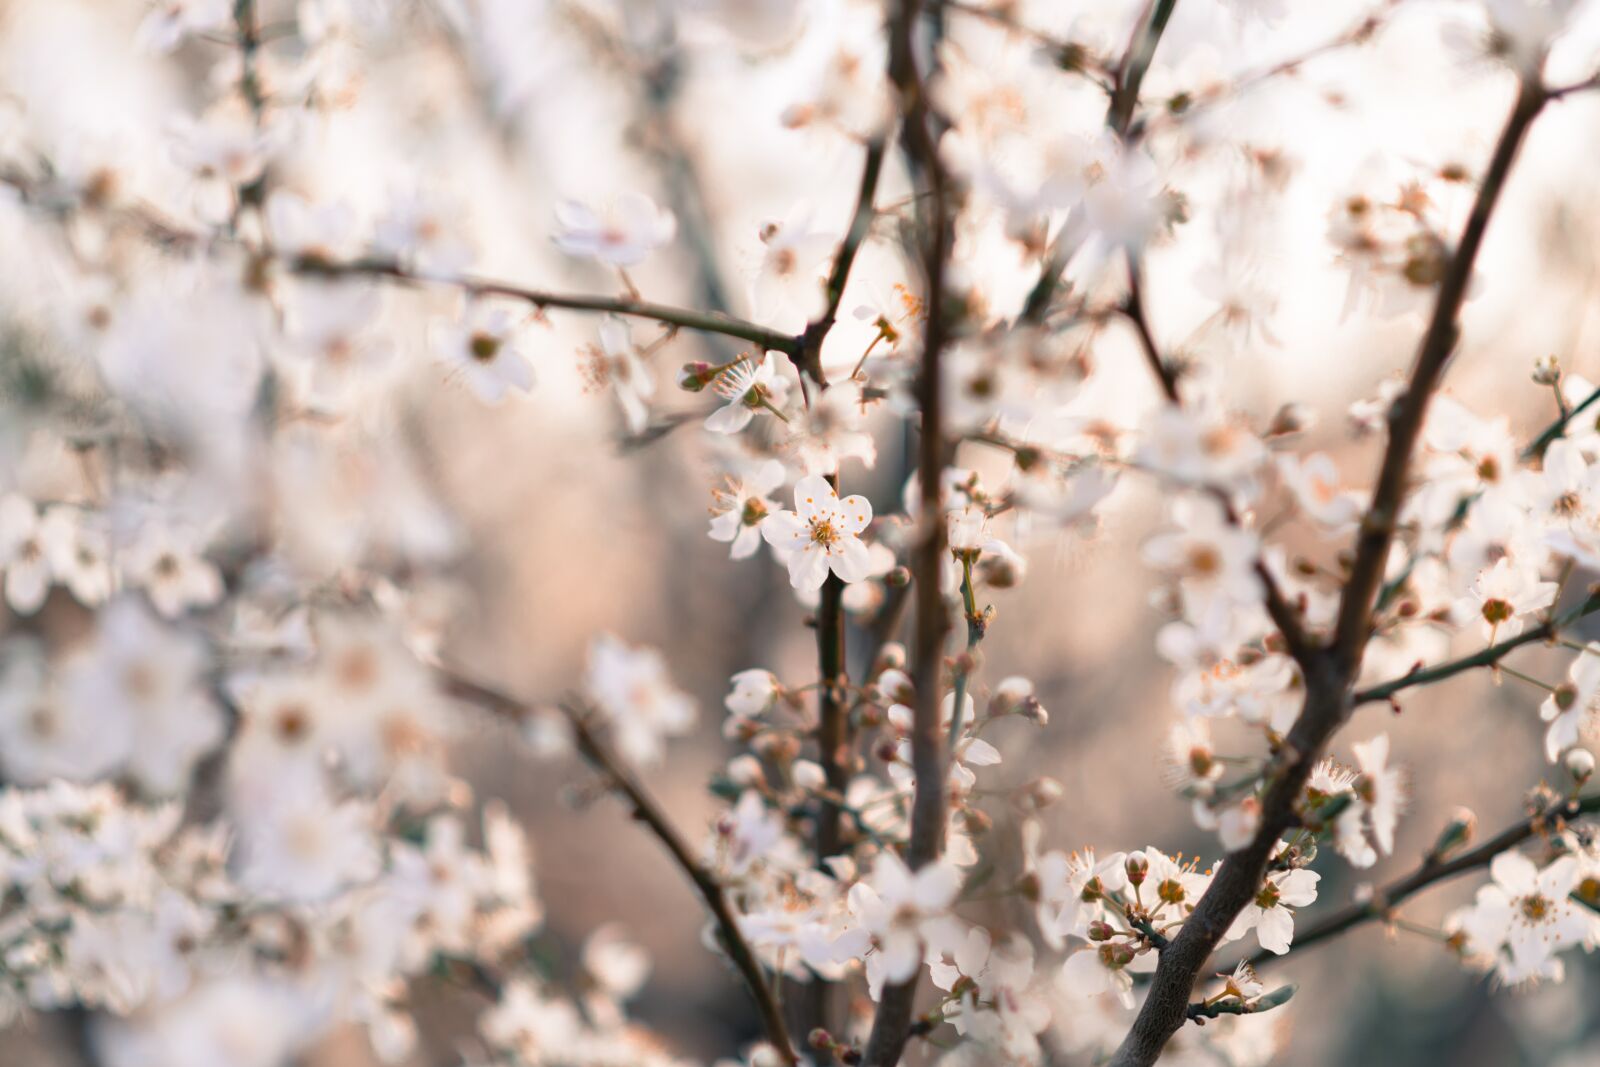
(650, 813)
(891, 1027)
(1328, 673)
(707, 322)
(168, 233)
(1411, 409)
(1133, 309)
(816, 331)
(1485, 657)
(1127, 77)
(1135, 64)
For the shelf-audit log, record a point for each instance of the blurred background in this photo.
(507, 107)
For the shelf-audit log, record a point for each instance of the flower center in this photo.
(823, 533)
(484, 347)
(1268, 897)
(1496, 610)
(1535, 908)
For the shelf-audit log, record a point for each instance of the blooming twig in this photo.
(1329, 674)
(1434, 869)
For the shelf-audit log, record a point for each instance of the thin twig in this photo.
(1485, 657)
(168, 233)
(650, 813)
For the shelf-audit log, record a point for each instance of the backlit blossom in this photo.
(822, 534)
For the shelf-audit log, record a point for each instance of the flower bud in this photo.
(1457, 833)
(1291, 419)
(808, 775)
(1580, 764)
(1100, 930)
(891, 657)
(693, 377)
(1037, 795)
(1137, 867)
(1546, 371)
(745, 770)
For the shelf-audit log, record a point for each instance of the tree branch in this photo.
(1485, 657)
(1328, 673)
(706, 322)
(817, 330)
(168, 233)
(1411, 409)
(892, 1026)
(650, 813)
(1433, 870)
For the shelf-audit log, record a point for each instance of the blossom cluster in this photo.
(230, 823)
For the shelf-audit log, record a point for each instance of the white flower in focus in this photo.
(631, 689)
(1501, 597)
(22, 554)
(1099, 969)
(622, 232)
(821, 534)
(743, 506)
(1271, 913)
(482, 350)
(747, 387)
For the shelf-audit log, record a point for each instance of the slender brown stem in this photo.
(1165, 374)
(648, 812)
(706, 322)
(1410, 410)
(168, 233)
(1485, 657)
(1328, 673)
(1135, 63)
(1127, 77)
(891, 1027)
(860, 226)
